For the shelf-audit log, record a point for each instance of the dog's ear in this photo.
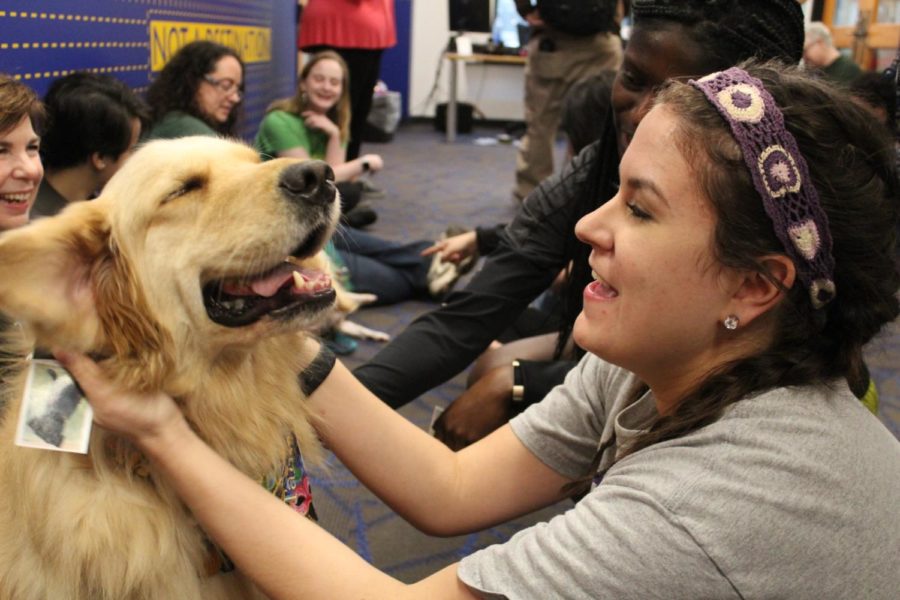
(142, 348)
(65, 280)
(45, 276)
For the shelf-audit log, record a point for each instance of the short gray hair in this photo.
(817, 30)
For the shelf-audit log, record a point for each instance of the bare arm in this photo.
(437, 490)
(358, 166)
(344, 171)
(256, 530)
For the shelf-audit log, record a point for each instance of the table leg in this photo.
(451, 103)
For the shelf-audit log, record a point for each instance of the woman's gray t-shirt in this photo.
(794, 493)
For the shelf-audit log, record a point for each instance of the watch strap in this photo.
(518, 389)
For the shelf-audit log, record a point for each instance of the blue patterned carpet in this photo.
(430, 185)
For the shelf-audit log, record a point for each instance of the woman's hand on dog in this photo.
(143, 417)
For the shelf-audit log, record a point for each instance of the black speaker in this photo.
(464, 117)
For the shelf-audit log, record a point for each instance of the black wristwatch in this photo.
(366, 166)
(518, 388)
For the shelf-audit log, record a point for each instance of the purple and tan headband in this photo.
(779, 174)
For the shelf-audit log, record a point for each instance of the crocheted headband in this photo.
(779, 174)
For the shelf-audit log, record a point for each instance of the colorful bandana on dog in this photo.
(291, 486)
(779, 173)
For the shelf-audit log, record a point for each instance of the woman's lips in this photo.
(18, 202)
(600, 289)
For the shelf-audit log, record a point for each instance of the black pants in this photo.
(351, 194)
(364, 66)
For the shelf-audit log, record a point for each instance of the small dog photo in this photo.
(55, 415)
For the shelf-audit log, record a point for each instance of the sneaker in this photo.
(339, 343)
(361, 215)
(370, 190)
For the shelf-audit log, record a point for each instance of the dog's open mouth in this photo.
(280, 292)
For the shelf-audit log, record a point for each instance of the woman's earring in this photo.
(731, 322)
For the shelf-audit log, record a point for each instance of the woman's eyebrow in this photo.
(640, 183)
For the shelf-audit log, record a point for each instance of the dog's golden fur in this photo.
(121, 277)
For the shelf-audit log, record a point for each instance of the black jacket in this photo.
(531, 251)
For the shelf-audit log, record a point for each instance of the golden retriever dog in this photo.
(186, 275)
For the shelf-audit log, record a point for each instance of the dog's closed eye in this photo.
(190, 185)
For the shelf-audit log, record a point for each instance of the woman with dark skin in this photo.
(669, 39)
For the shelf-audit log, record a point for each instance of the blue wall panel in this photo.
(43, 39)
(395, 61)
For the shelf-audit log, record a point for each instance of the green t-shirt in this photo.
(280, 131)
(176, 124)
(843, 70)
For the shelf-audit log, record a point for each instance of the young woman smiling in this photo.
(315, 122)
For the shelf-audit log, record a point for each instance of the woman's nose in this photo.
(594, 228)
(28, 167)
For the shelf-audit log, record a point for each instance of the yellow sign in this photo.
(253, 44)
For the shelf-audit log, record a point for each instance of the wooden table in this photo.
(455, 59)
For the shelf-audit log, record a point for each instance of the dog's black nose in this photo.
(308, 181)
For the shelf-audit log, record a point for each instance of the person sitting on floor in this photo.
(668, 39)
(314, 123)
(533, 337)
(94, 123)
(198, 92)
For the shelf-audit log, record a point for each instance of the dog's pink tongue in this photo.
(268, 286)
(274, 281)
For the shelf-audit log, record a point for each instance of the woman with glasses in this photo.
(198, 92)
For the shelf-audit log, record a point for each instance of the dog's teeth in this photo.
(299, 282)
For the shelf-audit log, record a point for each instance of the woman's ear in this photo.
(758, 293)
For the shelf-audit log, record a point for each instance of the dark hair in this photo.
(851, 164)
(340, 112)
(17, 100)
(878, 91)
(732, 30)
(175, 88)
(728, 32)
(583, 103)
(88, 113)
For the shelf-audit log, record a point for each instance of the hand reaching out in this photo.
(478, 411)
(454, 249)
